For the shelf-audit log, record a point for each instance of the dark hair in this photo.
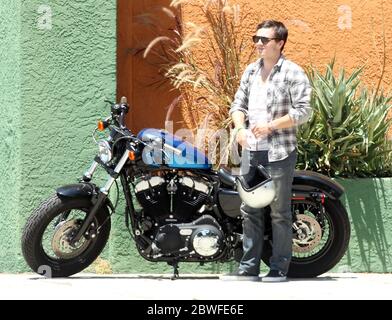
(280, 29)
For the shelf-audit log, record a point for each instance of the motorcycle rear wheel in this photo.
(335, 229)
(44, 240)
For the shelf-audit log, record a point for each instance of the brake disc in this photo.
(60, 241)
(307, 234)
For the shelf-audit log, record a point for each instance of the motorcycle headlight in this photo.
(105, 152)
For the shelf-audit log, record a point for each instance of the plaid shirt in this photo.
(289, 94)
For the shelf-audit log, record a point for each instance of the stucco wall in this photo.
(10, 120)
(369, 203)
(351, 30)
(59, 66)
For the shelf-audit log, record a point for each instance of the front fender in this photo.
(84, 190)
(310, 179)
(78, 190)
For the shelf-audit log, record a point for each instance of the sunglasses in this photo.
(264, 40)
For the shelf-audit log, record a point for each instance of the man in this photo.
(274, 99)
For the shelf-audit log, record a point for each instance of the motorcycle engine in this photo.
(172, 216)
(171, 198)
(201, 238)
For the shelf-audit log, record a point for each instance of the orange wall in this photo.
(319, 30)
(137, 76)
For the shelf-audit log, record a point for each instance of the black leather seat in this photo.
(226, 177)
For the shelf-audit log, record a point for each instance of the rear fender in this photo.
(305, 184)
(308, 181)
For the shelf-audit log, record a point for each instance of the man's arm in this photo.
(300, 94)
(238, 118)
(240, 102)
(239, 127)
(300, 111)
(239, 107)
(282, 123)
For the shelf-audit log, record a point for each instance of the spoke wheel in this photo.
(320, 238)
(46, 237)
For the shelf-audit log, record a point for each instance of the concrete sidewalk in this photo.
(189, 287)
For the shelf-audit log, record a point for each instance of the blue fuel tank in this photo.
(178, 154)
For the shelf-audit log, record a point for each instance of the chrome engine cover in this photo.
(206, 242)
(203, 237)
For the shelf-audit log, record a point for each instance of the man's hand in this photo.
(261, 130)
(241, 138)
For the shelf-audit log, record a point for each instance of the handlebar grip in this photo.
(121, 120)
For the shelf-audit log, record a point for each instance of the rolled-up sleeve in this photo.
(240, 102)
(300, 93)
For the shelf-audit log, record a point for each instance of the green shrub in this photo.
(347, 134)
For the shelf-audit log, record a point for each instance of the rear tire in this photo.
(33, 234)
(330, 254)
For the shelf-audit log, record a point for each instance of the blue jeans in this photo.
(282, 173)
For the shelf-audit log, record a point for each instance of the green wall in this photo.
(56, 68)
(10, 134)
(369, 204)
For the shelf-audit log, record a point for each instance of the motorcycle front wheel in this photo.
(320, 237)
(45, 244)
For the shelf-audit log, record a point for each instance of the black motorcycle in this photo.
(185, 212)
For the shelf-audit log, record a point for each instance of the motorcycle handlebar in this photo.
(119, 111)
(121, 120)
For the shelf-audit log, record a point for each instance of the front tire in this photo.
(47, 253)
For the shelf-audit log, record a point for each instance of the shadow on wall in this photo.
(368, 202)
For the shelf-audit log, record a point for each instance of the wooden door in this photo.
(137, 77)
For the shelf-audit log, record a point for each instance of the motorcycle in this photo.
(188, 212)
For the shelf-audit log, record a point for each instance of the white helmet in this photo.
(259, 192)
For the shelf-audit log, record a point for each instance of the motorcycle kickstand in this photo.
(176, 274)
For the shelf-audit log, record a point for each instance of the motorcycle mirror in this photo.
(124, 100)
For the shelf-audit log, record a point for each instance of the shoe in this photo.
(239, 275)
(274, 276)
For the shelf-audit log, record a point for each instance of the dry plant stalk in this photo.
(207, 89)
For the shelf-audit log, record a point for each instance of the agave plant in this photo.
(376, 147)
(346, 135)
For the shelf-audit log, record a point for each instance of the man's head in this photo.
(270, 38)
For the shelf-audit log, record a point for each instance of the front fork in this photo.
(102, 195)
